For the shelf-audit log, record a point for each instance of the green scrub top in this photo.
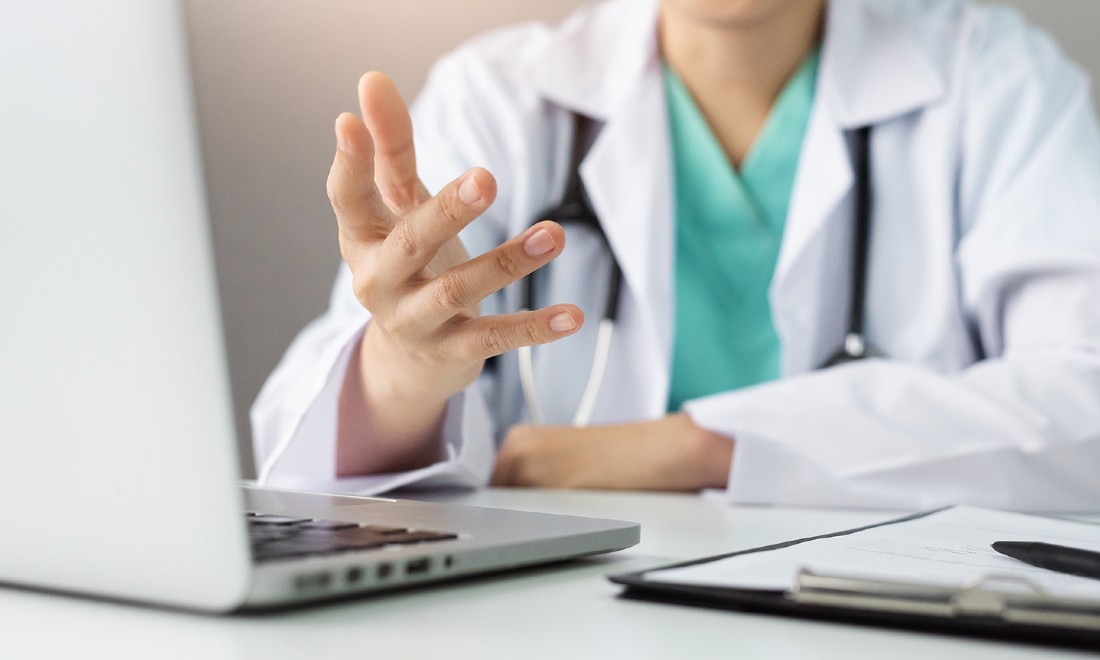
(729, 226)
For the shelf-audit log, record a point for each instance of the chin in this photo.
(734, 13)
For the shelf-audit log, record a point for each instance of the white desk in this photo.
(563, 611)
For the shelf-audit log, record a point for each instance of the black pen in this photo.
(1073, 561)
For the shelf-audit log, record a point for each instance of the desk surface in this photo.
(561, 611)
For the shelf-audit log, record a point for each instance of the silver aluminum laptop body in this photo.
(118, 468)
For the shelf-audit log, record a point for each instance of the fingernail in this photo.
(562, 323)
(342, 141)
(468, 190)
(539, 243)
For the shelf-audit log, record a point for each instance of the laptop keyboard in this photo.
(284, 537)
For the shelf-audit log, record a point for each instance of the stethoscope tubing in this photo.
(574, 209)
(591, 395)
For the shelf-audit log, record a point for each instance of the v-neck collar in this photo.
(762, 184)
(786, 121)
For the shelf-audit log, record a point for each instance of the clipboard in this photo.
(985, 608)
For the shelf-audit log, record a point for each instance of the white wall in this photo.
(272, 75)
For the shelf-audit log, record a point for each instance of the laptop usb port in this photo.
(312, 581)
(418, 566)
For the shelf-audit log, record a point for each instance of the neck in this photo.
(736, 65)
(751, 53)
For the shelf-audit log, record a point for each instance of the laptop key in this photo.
(386, 529)
(298, 547)
(264, 536)
(267, 519)
(420, 536)
(327, 524)
(356, 537)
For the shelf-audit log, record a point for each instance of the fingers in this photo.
(467, 284)
(483, 337)
(359, 208)
(387, 118)
(421, 233)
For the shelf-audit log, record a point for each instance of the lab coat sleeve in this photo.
(1020, 429)
(294, 418)
(295, 415)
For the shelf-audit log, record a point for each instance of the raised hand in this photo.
(426, 340)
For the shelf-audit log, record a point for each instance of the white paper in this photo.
(949, 548)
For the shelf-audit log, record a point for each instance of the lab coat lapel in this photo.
(873, 68)
(627, 174)
(606, 65)
(797, 293)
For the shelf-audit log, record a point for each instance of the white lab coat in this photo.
(984, 282)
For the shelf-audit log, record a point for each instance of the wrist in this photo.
(394, 375)
(711, 452)
(386, 424)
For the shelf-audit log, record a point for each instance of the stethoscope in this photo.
(574, 210)
(856, 346)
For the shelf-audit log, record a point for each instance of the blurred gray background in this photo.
(271, 76)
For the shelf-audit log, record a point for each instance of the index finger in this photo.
(359, 208)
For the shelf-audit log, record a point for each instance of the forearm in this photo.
(671, 453)
(674, 453)
(1020, 433)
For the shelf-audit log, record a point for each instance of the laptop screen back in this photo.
(117, 463)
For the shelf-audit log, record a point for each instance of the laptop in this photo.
(119, 475)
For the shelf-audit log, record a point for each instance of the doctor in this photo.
(721, 172)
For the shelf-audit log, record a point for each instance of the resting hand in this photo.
(426, 340)
(666, 454)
